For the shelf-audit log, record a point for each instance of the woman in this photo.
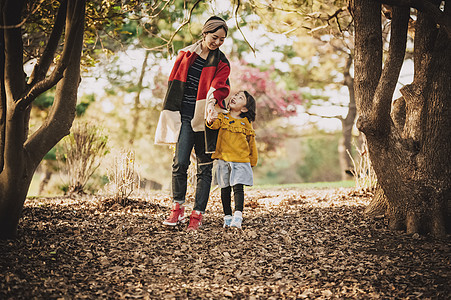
(198, 82)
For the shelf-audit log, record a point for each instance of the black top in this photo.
(190, 91)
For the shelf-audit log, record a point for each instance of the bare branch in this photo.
(322, 116)
(432, 10)
(239, 28)
(20, 24)
(335, 14)
(62, 113)
(271, 6)
(319, 28)
(41, 68)
(160, 11)
(58, 73)
(183, 24)
(40, 87)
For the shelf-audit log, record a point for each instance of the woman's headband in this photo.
(213, 24)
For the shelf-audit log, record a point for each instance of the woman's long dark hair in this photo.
(251, 107)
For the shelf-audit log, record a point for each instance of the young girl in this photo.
(236, 153)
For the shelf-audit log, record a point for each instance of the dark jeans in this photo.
(238, 196)
(187, 140)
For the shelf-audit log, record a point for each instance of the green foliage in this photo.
(323, 37)
(310, 158)
(101, 17)
(147, 26)
(64, 188)
(51, 155)
(319, 159)
(84, 103)
(44, 101)
(153, 162)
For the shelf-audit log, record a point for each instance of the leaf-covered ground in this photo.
(294, 244)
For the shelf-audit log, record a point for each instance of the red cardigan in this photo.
(213, 86)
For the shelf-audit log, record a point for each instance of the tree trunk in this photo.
(2, 93)
(47, 169)
(345, 143)
(345, 149)
(378, 205)
(21, 154)
(136, 107)
(409, 148)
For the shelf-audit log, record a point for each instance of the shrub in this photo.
(122, 176)
(80, 154)
(364, 175)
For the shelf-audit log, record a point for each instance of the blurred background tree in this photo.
(323, 32)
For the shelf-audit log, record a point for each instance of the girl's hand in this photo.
(212, 114)
(211, 119)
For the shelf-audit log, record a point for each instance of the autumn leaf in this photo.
(295, 244)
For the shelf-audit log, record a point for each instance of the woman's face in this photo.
(214, 40)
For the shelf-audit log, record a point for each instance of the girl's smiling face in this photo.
(238, 102)
(214, 40)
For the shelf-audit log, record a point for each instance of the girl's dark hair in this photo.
(219, 27)
(251, 107)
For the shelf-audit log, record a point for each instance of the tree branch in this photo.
(20, 24)
(323, 116)
(42, 67)
(14, 73)
(424, 46)
(440, 17)
(367, 58)
(336, 13)
(183, 24)
(239, 28)
(160, 11)
(349, 83)
(41, 87)
(58, 73)
(62, 113)
(392, 67)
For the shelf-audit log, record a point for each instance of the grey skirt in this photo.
(229, 173)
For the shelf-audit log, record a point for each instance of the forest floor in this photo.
(295, 244)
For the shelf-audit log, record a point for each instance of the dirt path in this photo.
(294, 244)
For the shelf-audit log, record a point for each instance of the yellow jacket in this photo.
(236, 140)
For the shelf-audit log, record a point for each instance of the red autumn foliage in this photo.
(273, 101)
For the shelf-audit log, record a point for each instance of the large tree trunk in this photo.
(21, 154)
(2, 93)
(409, 140)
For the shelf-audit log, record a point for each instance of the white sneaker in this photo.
(227, 221)
(237, 219)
